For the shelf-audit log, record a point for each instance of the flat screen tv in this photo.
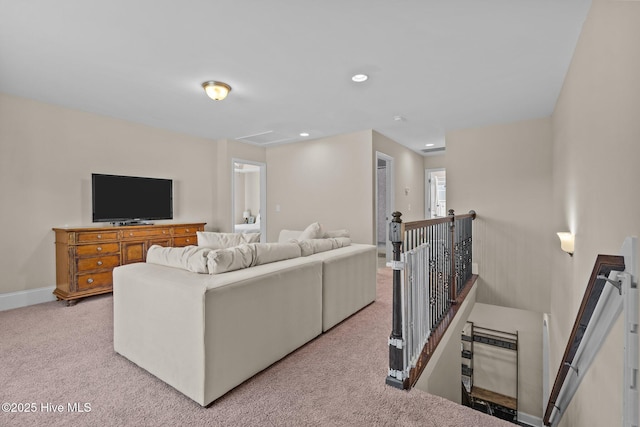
(131, 199)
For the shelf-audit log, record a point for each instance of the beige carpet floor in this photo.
(57, 360)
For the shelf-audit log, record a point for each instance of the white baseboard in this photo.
(529, 419)
(24, 298)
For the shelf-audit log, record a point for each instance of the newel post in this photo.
(452, 278)
(396, 375)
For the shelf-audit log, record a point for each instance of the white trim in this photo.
(631, 397)
(25, 298)
(546, 318)
(263, 195)
(427, 191)
(529, 420)
(390, 196)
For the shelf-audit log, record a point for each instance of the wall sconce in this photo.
(566, 242)
(216, 90)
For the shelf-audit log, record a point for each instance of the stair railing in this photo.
(432, 275)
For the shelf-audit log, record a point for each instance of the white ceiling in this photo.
(439, 64)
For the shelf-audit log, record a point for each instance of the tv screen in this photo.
(130, 198)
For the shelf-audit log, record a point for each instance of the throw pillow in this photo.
(313, 231)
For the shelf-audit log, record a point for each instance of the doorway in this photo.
(436, 188)
(248, 197)
(384, 203)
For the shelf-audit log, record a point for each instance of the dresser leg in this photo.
(71, 302)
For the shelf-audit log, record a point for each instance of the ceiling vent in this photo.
(268, 137)
(432, 150)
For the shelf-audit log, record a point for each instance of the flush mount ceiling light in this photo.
(430, 145)
(359, 78)
(216, 90)
(304, 133)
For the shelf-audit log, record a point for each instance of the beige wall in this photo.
(47, 155)
(504, 173)
(437, 161)
(596, 130)
(326, 180)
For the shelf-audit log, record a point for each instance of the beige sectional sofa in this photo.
(204, 334)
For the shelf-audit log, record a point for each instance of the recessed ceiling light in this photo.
(359, 78)
(430, 145)
(304, 134)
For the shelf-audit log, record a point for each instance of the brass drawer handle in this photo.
(99, 236)
(89, 280)
(188, 230)
(188, 240)
(99, 248)
(99, 262)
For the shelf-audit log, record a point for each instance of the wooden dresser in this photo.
(85, 257)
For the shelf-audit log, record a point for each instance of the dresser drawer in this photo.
(97, 263)
(185, 241)
(106, 248)
(146, 232)
(96, 280)
(96, 236)
(182, 230)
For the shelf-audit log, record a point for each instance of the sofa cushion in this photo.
(215, 240)
(339, 242)
(230, 259)
(313, 246)
(192, 258)
(251, 237)
(336, 233)
(266, 253)
(249, 255)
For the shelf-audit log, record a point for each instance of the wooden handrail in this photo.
(603, 266)
(414, 225)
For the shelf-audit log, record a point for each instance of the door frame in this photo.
(263, 195)
(390, 198)
(427, 191)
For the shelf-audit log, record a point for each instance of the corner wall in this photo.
(503, 172)
(326, 180)
(596, 130)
